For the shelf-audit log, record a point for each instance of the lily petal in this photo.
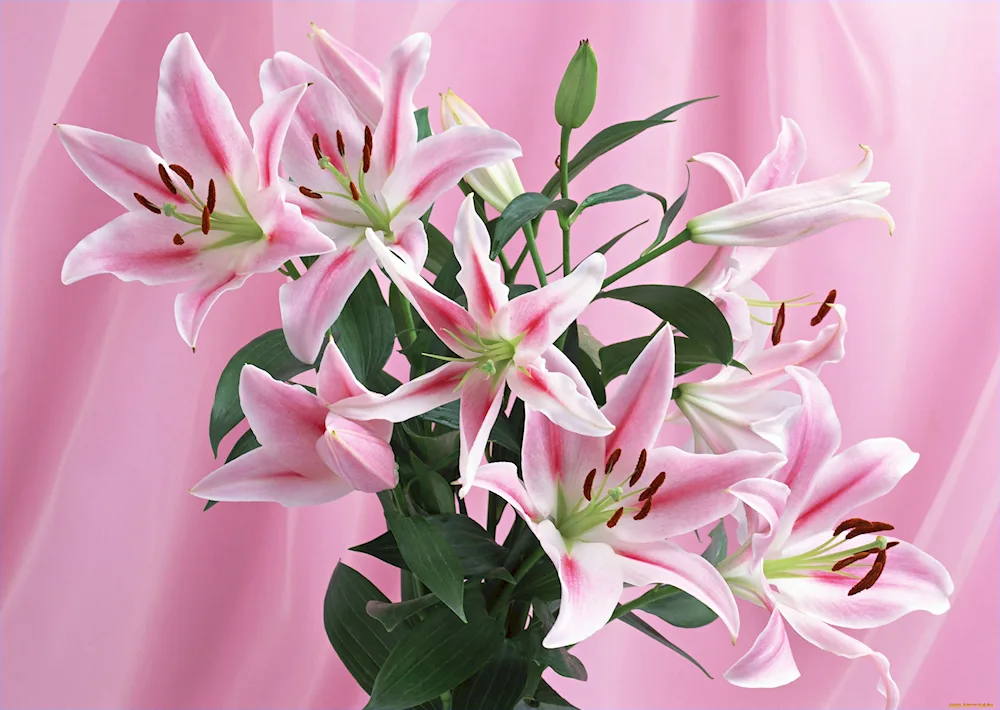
(287, 233)
(355, 454)
(782, 165)
(436, 164)
(119, 167)
(353, 74)
(480, 277)
(668, 563)
(501, 478)
(336, 380)
(540, 316)
(555, 395)
(481, 398)
(764, 502)
(287, 420)
(192, 306)
(310, 304)
(591, 580)
(727, 170)
(396, 133)
(415, 397)
(769, 662)
(724, 422)
(258, 476)
(269, 125)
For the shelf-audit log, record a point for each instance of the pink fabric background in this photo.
(117, 591)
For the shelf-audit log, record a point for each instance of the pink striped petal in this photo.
(782, 165)
(336, 380)
(830, 639)
(501, 478)
(195, 123)
(638, 407)
(436, 164)
(769, 662)
(541, 316)
(763, 503)
(138, 246)
(480, 277)
(415, 397)
(192, 306)
(396, 133)
(737, 313)
(269, 124)
(481, 397)
(555, 395)
(354, 75)
(287, 420)
(411, 243)
(258, 476)
(357, 455)
(912, 581)
(310, 304)
(857, 475)
(449, 321)
(554, 459)
(591, 579)
(694, 492)
(727, 170)
(119, 167)
(287, 233)
(723, 421)
(668, 563)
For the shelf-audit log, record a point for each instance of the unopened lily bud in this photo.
(497, 184)
(578, 89)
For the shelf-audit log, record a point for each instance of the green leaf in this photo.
(591, 375)
(685, 309)
(423, 124)
(670, 214)
(680, 609)
(636, 623)
(610, 138)
(435, 656)
(545, 698)
(618, 193)
(429, 556)
(521, 210)
(270, 353)
(502, 433)
(434, 494)
(498, 685)
(361, 642)
(477, 552)
(392, 615)
(718, 547)
(364, 331)
(541, 581)
(617, 358)
(606, 247)
(563, 662)
(439, 249)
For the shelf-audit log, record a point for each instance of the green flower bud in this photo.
(578, 89)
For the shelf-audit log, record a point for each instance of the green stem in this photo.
(446, 700)
(508, 591)
(504, 263)
(648, 257)
(290, 270)
(529, 235)
(512, 274)
(564, 187)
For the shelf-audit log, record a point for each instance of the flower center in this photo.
(831, 558)
(607, 507)
(238, 229)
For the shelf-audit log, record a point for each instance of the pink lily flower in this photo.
(350, 176)
(604, 507)
(358, 79)
(727, 278)
(496, 341)
(725, 411)
(310, 452)
(212, 209)
(781, 215)
(811, 564)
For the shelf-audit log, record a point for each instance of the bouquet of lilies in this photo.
(506, 392)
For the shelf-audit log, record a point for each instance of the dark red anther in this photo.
(558, 162)
(178, 240)
(211, 196)
(646, 507)
(616, 517)
(340, 144)
(824, 308)
(654, 486)
(869, 579)
(166, 178)
(849, 524)
(184, 175)
(779, 324)
(869, 528)
(890, 545)
(640, 466)
(206, 220)
(612, 460)
(588, 485)
(366, 159)
(317, 148)
(309, 193)
(368, 138)
(147, 204)
(354, 192)
(853, 558)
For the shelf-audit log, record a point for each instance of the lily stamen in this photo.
(210, 202)
(183, 174)
(317, 148)
(588, 485)
(616, 517)
(824, 308)
(650, 491)
(640, 466)
(612, 460)
(166, 179)
(206, 220)
(873, 574)
(310, 193)
(779, 324)
(147, 204)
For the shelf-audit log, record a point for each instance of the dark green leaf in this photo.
(685, 309)
(362, 643)
(545, 698)
(434, 494)
(423, 124)
(618, 193)
(617, 358)
(392, 615)
(718, 547)
(270, 353)
(636, 623)
(429, 556)
(610, 138)
(364, 331)
(436, 655)
(521, 210)
(563, 662)
(606, 247)
(439, 249)
(680, 609)
(591, 375)
(496, 686)
(502, 433)
(670, 214)
(541, 581)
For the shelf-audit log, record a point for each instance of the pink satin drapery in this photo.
(117, 591)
